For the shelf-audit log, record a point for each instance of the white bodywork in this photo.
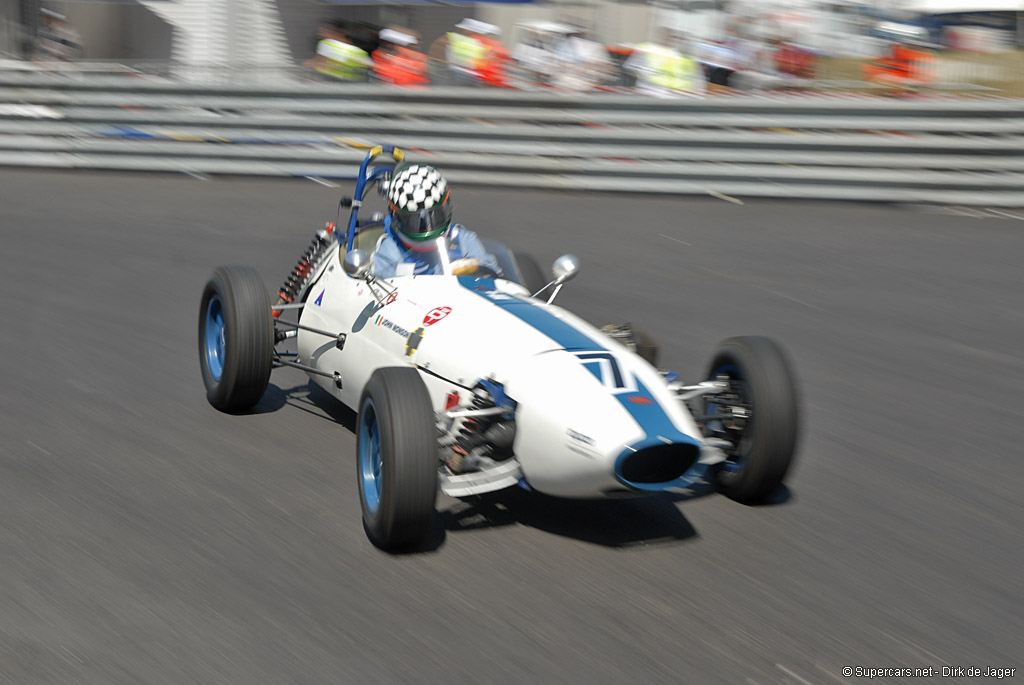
(583, 401)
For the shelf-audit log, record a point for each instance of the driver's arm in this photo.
(472, 248)
(386, 259)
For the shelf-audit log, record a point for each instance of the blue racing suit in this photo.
(462, 243)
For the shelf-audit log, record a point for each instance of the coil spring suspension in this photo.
(307, 263)
(470, 434)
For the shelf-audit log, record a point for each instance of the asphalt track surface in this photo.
(147, 538)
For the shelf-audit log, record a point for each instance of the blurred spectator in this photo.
(582, 63)
(663, 70)
(337, 57)
(909, 65)
(396, 62)
(777, 64)
(493, 67)
(56, 40)
(364, 36)
(794, 60)
(533, 54)
(464, 51)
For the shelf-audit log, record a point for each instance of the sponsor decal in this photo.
(580, 437)
(391, 325)
(319, 298)
(640, 399)
(415, 338)
(435, 315)
(392, 296)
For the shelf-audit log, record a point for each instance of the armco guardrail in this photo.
(948, 150)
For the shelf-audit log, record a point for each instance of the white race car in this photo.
(473, 383)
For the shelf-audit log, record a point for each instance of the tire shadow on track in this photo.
(310, 398)
(624, 523)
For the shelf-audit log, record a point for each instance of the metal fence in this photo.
(953, 150)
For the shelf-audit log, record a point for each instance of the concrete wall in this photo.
(117, 31)
(611, 22)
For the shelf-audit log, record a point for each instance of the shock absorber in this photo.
(307, 263)
(470, 434)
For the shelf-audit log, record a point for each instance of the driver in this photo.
(420, 212)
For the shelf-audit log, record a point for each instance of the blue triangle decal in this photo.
(320, 299)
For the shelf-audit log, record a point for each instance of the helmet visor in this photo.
(424, 224)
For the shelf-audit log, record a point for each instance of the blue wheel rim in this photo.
(369, 456)
(215, 337)
(735, 462)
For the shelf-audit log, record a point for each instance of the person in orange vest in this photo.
(396, 62)
(909, 65)
(493, 63)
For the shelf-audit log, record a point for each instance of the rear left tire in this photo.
(236, 338)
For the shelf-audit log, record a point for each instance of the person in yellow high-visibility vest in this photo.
(662, 70)
(337, 58)
(465, 53)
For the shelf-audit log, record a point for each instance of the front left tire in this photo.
(236, 338)
(397, 458)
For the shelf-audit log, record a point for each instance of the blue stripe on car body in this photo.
(648, 414)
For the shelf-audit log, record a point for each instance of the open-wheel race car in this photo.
(553, 403)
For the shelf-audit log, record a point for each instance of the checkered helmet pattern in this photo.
(416, 188)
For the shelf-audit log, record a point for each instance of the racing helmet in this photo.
(419, 203)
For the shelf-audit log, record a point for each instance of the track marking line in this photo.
(677, 240)
(764, 288)
(39, 448)
(723, 196)
(793, 299)
(1008, 215)
(196, 175)
(322, 182)
(968, 211)
(912, 647)
(830, 673)
(793, 675)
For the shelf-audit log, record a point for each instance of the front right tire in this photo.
(759, 415)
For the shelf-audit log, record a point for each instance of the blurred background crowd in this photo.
(671, 48)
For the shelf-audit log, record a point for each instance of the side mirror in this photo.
(357, 264)
(565, 268)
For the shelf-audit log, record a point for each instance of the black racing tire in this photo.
(236, 338)
(397, 458)
(761, 379)
(530, 274)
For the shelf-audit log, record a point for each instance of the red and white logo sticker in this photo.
(435, 315)
(392, 296)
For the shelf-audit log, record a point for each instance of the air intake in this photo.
(656, 464)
